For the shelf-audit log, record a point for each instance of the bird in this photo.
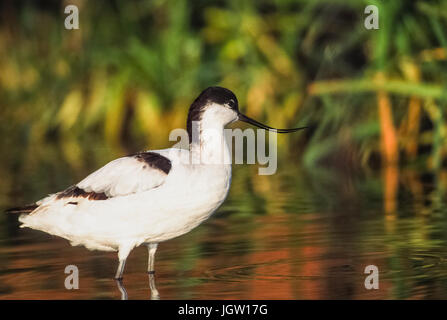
(148, 197)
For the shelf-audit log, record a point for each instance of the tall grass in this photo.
(128, 75)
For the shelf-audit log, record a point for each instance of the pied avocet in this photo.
(148, 197)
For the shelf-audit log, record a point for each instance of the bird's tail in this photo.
(24, 209)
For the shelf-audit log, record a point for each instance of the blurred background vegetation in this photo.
(375, 98)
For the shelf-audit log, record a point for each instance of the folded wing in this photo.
(123, 176)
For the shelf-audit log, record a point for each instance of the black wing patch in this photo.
(75, 192)
(24, 209)
(154, 160)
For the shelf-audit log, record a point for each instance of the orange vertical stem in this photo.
(414, 114)
(389, 150)
(389, 147)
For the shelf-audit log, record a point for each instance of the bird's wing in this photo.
(123, 176)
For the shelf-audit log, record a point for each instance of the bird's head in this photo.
(219, 106)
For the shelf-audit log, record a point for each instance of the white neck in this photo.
(208, 144)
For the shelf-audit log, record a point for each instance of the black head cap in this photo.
(217, 95)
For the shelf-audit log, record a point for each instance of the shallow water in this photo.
(300, 234)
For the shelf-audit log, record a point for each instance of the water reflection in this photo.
(122, 289)
(153, 289)
(294, 235)
(153, 292)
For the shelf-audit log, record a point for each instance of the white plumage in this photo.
(146, 205)
(122, 177)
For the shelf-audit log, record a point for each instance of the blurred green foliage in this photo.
(128, 75)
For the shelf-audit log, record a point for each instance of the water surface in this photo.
(300, 234)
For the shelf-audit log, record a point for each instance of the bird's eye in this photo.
(231, 103)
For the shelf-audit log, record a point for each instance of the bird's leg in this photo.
(120, 270)
(123, 253)
(152, 248)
